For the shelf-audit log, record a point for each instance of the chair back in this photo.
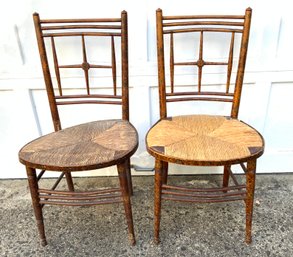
(211, 29)
(56, 37)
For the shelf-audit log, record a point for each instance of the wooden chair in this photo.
(91, 145)
(203, 140)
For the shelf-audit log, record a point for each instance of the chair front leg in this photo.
(33, 185)
(158, 197)
(122, 172)
(250, 186)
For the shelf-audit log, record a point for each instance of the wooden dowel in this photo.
(243, 167)
(187, 17)
(199, 99)
(197, 23)
(202, 29)
(56, 66)
(95, 192)
(89, 102)
(85, 65)
(89, 203)
(64, 27)
(172, 62)
(186, 189)
(90, 66)
(113, 58)
(230, 62)
(88, 96)
(58, 181)
(201, 200)
(197, 63)
(200, 62)
(76, 198)
(73, 34)
(200, 93)
(189, 194)
(80, 20)
(40, 174)
(233, 177)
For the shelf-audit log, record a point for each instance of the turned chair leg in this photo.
(69, 181)
(129, 179)
(226, 176)
(33, 185)
(122, 172)
(250, 185)
(164, 172)
(158, 197)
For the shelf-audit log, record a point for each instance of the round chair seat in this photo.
(204, 140)
(83, 147)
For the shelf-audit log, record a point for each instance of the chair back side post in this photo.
(125, 71)
(161, 63)
(241, 65)
(46, 73)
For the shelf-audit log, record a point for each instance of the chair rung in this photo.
(220, 189)
(103, 196)
(69, 198)
(201, 200)
(89, 203)
(41, 174)
(96, 192)
(167, 192)
(203, 195)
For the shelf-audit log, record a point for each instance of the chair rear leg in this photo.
(129, 179)
(226, 177)
(69, 181)
(158, 197)
(122, 172)
(33, 185)
(250, 186)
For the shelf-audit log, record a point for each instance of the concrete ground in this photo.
(186, 229)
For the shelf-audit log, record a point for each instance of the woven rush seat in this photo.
(95, 146)
(204, 139)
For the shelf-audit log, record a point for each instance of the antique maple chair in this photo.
(91, 145)
(203, 140)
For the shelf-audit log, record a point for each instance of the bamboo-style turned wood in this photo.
(200, 24)
(172, 62)
(88, 146)
(203, 140)
(82, 28)
(114, 75)
(230, 63)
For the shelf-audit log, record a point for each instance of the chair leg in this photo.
(33, 185)
(129, 179)
(226, 177)
(122, 172)
(69, 181)
(157, 208)
(250, 185)
(164, 172)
